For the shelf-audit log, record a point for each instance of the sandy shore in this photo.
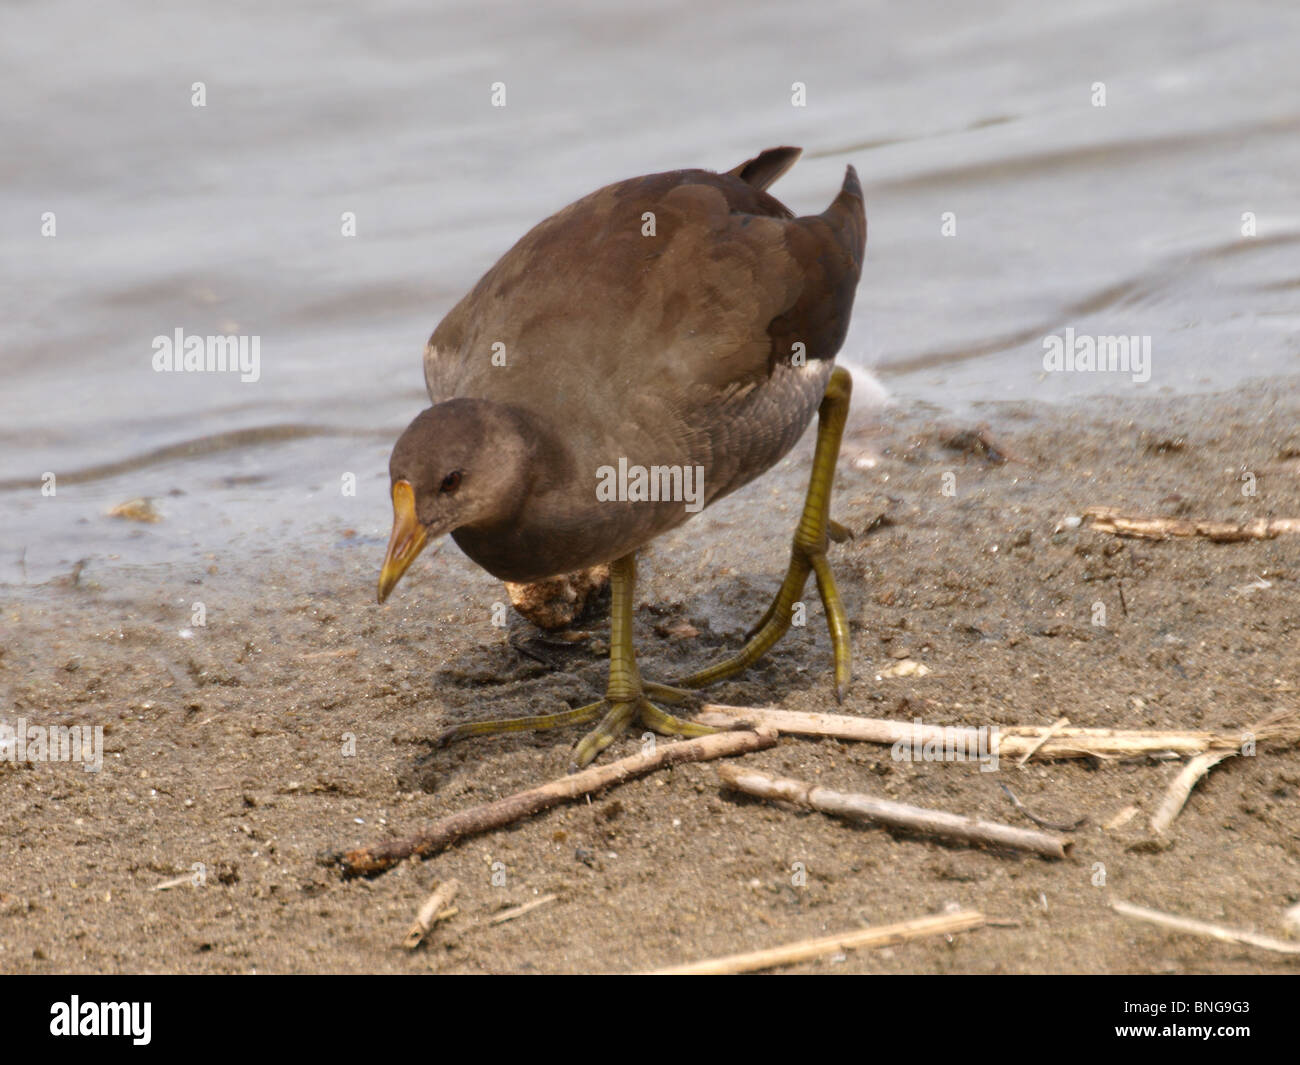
(229, 746)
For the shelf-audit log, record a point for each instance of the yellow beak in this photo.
(407, 541)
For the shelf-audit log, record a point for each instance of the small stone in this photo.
(141, 509)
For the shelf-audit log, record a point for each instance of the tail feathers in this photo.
(847, 215)
(764, 169)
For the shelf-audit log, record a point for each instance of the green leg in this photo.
(807, 555)
(625, 698)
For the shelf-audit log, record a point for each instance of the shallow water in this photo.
(1118, 220)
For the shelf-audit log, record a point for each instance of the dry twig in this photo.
(808, 949)
(519, 911)
(895, 814)
(1007, 742)
(179, 881)
(341, 652)
(1276, 726)
(1051, 731)
(1204, 928)
(367, 861)
(1181, 788)
(431, 912)
(1110, 520)
(1041, 822)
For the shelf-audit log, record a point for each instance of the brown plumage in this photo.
(655, 320)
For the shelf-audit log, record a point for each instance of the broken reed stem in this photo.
(519, 911)
(1051, 731)
(1204, 928)
(179, 881)
(430, 913)
(1004, 742)
(367, 861)
(1111, 520)
(1276, 726)
(860, 807)
(1181, 788)
(342, 652)
(809, 949)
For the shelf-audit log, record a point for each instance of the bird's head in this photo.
(460, 463)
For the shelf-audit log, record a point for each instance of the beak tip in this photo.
(407, 541)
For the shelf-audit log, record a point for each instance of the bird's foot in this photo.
(615, 715)
(619, 716)
(625, 699)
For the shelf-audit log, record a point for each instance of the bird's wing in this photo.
(670, 296)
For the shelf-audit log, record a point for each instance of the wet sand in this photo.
(228, 746)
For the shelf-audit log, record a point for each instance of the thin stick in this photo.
(519, 911)
(179, 881)
(430, 913)
(1005, 742)
(1110, 520)
(1041, 822)
(895, 814)
(1180, 790)
(805, 950)
(1052, 730)
(342, 652)
(1204, 928)
(443, 833)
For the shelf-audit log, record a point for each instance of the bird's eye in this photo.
(451, 482)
